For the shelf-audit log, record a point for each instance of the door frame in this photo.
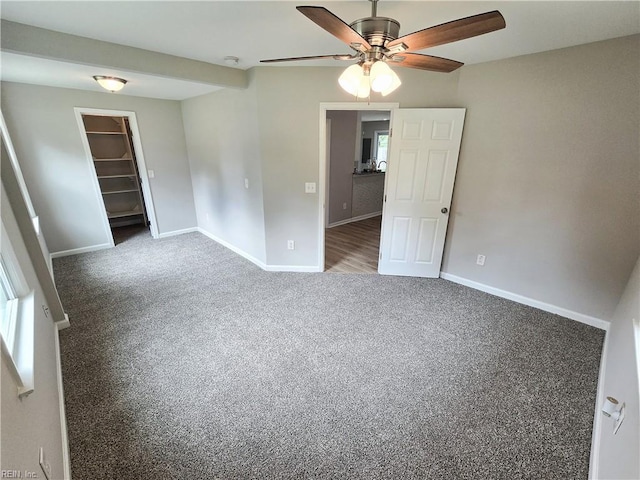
(139, 156)
(323, 174)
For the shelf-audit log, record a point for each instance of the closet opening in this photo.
(120, 174)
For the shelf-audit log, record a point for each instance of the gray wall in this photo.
(223, 144)
(48, 143)
(342, 154)
(548, 184)
(34, 421)
(617, 456)
(288, 114)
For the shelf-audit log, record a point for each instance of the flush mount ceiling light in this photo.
(113, 84)
(376, 41)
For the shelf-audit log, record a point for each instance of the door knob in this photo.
(444, 210)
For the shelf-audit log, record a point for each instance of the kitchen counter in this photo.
(367, 193)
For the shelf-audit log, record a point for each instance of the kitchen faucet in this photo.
(380, 163)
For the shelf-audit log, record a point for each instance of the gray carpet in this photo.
(185, 361)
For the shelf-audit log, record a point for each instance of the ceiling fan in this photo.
(376, 43)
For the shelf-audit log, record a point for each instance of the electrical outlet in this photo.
(310, 187)
(246, 183)
(344, 206)
(45, 465)
(291, 245)
(481, 259)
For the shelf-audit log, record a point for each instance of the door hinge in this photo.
(391, 132)
(385, 199)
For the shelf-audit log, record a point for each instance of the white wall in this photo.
(548, 184)
(618, 456)
(58, 174)
(223, 144)
(33, 421)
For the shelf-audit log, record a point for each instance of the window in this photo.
(16, 317)
(380, 148)
(8, 306)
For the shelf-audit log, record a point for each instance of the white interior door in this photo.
(423, 157)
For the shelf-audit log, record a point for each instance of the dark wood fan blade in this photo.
(425, 62)
(316, 57)
(452, 31)
(336, 27)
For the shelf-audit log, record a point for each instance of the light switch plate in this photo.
(151, 173)
(310, 187)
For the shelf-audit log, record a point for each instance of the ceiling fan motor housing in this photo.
(378, 31)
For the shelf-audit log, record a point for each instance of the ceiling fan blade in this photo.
(425, 62)
(451, 31)
(316, 57)
(336, 27)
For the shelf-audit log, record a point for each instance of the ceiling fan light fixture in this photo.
(351, 79)
(381, 76)
(365, 88)
(395, 83)
(113, 84)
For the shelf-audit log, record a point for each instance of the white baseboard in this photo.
(62, 324)
(178, 232)
(66, 459)
(233, 248)
(259, 263)
(292, 268)
(594, 461)
(547, 307)
(354, 219)
(76, 251)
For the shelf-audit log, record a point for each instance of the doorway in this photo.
(111, 140)
(418, 187)
(354, 185)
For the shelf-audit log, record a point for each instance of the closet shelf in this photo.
(127, 159)
(120, 191)
(130, 213)
(106, 133)
(130, 175)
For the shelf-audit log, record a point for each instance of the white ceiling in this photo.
(210, 30)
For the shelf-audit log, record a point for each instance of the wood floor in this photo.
(354, 247)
